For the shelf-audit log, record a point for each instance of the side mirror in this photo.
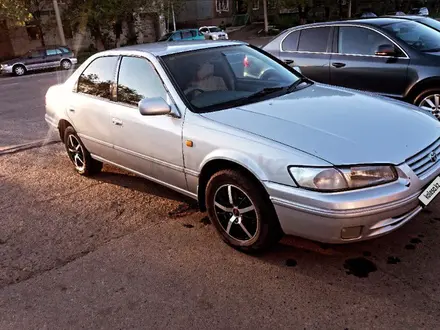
(386, 50)
(154, 107)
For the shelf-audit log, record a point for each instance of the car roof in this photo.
(374, 21)
(174, 47)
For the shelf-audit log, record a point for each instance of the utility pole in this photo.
(59, 23)
(266, 22)
(174, 18)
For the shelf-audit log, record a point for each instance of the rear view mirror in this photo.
(386, 50)
(154, 107)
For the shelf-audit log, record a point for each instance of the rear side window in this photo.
(138, 80)
(65, 50)
(314, 40)
(50, 52)
(97, 79)
(290, 43)
(186, 35)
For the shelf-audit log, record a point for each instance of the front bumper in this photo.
(351, 215)
(6, 69)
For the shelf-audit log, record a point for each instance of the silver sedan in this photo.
(264, 150)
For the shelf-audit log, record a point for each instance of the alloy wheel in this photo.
(236, 213)
(66, 65)
(76, 152)
(431, 103)
(19, 71)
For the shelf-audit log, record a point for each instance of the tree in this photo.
(14, 10)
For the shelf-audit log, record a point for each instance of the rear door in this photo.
(309, 49)
(187, 35)
(53, 57)
(355, 64)
(89, 106)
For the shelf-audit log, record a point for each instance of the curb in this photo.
(26, 146)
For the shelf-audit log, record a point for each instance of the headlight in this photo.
(337, 179)
(214, 37)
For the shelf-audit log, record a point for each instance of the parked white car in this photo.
(213, 32)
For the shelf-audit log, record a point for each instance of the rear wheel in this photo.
(429, 101)
(79, 155)
(19, 70)
(241, 211)
(66, 64)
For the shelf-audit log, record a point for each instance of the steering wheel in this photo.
(418, 44)
(269, 75)
(190, 93)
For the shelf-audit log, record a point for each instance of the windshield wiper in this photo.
(295, 85)
(265, 91)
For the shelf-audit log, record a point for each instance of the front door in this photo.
(308, 49)
(36, 60)
(356, 65)
(149, 145)
(89, 108)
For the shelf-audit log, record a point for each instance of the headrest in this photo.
(205, 71)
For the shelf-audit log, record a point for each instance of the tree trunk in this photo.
(40, 32)
(266, 22)
(349, 9)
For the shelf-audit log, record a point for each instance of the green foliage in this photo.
(15, 11)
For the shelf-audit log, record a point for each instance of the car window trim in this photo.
(335, 53)
(116, 83)
(336, 49)
(75, 88)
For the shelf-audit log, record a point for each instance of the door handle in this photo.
(71, 110)
(117, 122)
(288, 62)
(338, 65)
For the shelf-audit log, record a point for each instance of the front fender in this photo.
(236, 157)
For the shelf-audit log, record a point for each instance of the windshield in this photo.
(165, 37)
(418, 36)
(214, 29)
(222, 77)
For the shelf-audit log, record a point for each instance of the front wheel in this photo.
(79, 155)
(66, 64)
(241, 211)
(429, 101)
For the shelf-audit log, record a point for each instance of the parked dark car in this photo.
(41, 58)
(390, 56)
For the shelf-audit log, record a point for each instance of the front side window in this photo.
(35, 54)
(290, 43)
(314, 40)
(176, 36)
(204, 30)
(138, 80)
(222, 77)
(359, 41)
(418, 36)
(98, 77)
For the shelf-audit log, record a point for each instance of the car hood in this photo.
(12, 61)
(338, 125)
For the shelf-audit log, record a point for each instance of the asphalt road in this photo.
(118, 252)
(22, 107)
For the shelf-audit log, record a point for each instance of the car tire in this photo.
(429, 100)
(79, 155)
(19, 70)
(249, 223)
(66, 64)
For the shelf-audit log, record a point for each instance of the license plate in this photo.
(429, 194)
